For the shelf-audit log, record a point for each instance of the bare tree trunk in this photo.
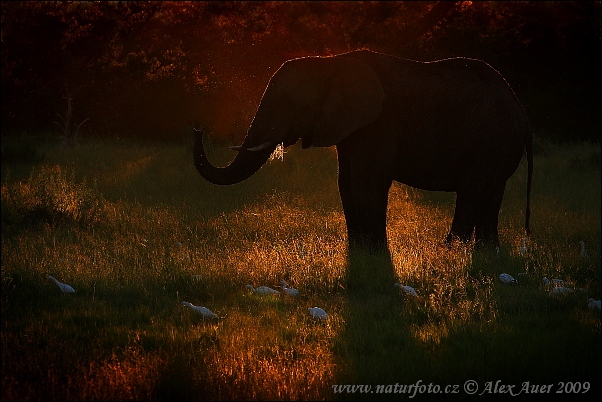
(70, 133)
(76, 133)
(67, 122)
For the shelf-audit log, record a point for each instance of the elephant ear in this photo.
(354, 98)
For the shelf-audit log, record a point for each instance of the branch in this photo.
(429, 21)
(410, 33)
(80, 124)
(76, 133)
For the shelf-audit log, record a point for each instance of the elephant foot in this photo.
(371, 245)
(486, 243)
(487, 237)
(453, 238)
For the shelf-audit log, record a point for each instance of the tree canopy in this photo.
(154, 69)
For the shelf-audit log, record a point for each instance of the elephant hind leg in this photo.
(487, 221)
(477, 210)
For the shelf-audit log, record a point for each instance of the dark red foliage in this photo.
(153, 69)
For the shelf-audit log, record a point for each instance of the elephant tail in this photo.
(529, 146)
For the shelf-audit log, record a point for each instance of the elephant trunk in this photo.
(246, 163)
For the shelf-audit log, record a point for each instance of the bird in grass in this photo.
(263, 290)
(523, 246)
(593, 304)
(317, 313)
(406, 289)
(204, 311)
(63, 286)
(559, 282)
(560, 290)
(507, 279)
(583, 251)
(556, 282)
(289, 291)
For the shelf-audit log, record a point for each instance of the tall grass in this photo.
(136, 231)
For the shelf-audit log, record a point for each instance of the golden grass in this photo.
(124, 335)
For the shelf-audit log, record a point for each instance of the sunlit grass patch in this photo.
(51, 195)
(448, 285)
(162, 236)
(272, 355)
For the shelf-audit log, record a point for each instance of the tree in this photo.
(154, 68)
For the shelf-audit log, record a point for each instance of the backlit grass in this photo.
(136, 231)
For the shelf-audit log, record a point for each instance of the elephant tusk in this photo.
(261, 147)
(236, 147)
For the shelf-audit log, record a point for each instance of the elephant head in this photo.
(320, 100)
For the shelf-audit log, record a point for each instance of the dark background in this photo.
(155, 69)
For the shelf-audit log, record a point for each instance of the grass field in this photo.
(136, 231)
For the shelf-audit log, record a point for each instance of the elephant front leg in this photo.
(365, 207)
(366, 226)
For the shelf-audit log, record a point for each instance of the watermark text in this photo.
(469, 387)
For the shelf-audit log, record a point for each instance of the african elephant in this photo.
(449, 125)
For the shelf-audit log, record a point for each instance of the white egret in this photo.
(204, 311)
(406, 289)
(593, 304)
(507, 279)
(289, 291)
(559, 282)
(583, 252)
(317, 313)
(263, 290)
(560, 290)
(63, 286)
(523, 246)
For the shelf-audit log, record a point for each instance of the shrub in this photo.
(51, 195)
